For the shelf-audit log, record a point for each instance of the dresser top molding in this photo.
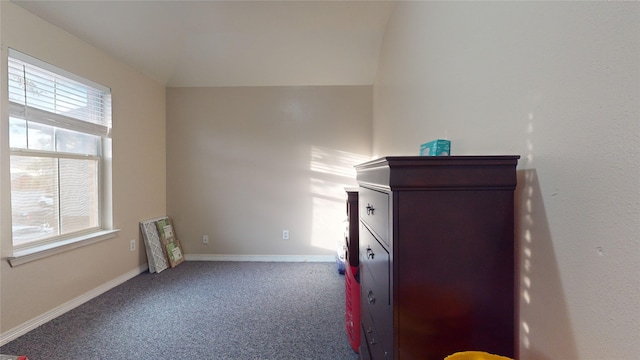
(439, 172)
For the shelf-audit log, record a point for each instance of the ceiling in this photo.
(231, 43)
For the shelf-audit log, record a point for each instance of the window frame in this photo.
(39, 248)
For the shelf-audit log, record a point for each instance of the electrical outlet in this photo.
(132, 245)
(285, 234)
(205, 239)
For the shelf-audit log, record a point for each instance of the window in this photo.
(59, 130)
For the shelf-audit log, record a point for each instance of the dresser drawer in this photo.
(375, 286)
(374, 303)
(375, 264)
(371, 345)
(373, 208)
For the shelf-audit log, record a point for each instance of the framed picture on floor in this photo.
(170, 243)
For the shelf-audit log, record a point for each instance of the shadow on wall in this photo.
(543, 322)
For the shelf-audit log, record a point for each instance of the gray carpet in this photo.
(204, 310)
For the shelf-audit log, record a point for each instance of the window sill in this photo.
(39, 252)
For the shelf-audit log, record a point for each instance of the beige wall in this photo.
(139, 184)
(559, 84)
(244, 163)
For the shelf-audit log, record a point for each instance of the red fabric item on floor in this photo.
(352, 297)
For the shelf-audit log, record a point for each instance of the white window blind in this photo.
(42, 93)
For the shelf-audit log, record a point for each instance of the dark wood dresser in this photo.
(436, 249)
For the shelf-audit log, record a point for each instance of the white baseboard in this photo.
(69, 305)
(263, 258)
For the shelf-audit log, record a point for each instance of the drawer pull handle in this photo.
(370, 209)
(370, 297)
(370, 254)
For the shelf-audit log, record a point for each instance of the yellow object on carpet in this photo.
(475, 355)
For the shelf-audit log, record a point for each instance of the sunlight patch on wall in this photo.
(529, 131)
(331, 172)
(327, 223)
(526, 245)
(335, 162)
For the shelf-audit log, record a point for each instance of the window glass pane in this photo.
(17, 133)
(30, 135)
(76, 142)
(40, 137)
(34, 198)
(52, 197)
(79, 195)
